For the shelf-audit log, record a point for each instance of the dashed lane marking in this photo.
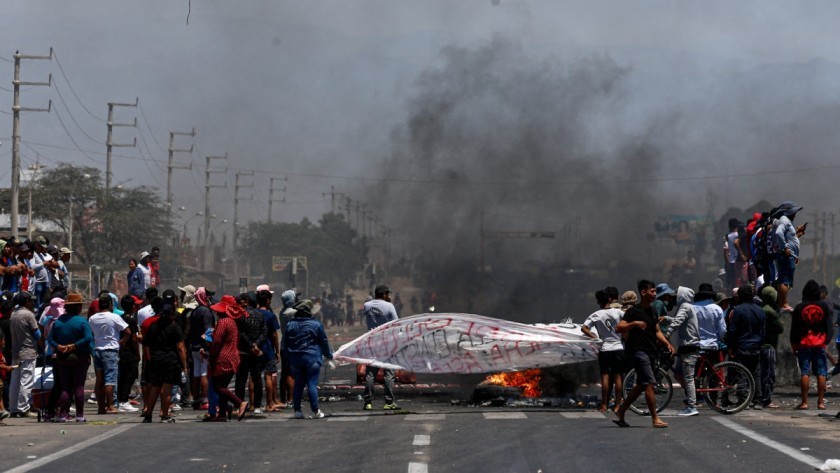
(347, 419)
(582, 415)
(420, 440)
(418, 468)
(505, 415)
(413, 417)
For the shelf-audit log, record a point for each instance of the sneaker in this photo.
(127, 407)
(258, 410)
(368, 406)
(390, 407)
(176, 407)
(167, 420)
(757, 407)
(298, 415)
(317, 415)
(81, 420)
(92, 399)
(61, 419)
(4, 414)
(688, 412)
(147, 419)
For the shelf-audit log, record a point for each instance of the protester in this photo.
(745, 333)
(136, 283)
(685, 324)
(611, 361)
(774, 328)
(643, 337)
(25, 335)
(72, 340)
(146, 310)
(129, 354)
(377, 312)
(711, 323)
(185, 309)
(287, 382)
(810, 330)
(224, 356)
(154, 267)
(787, 240)
(252, 335)
(270, 348)
(109, 332)
(306, 343)
(666, 300)
(164, 344)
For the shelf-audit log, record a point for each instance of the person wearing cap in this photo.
(144, 272)
(72, 340)
(25, 335)
(786, 238)
(306, 343)
(109, 332)
(666, 300)
(611, 361)
(224, 356)
(200, 321)
(63, 273)
(163, 346)
(379, 311)
(730, 253)
(36, 259)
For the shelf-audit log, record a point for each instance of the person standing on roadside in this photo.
(164, 344)
(379, 311)
(774, 328)
(25, 335)
(306, 343)
(642, 346)
(72, 341)
(109, 332)
(201, 320)
(270, 348)
(287, 382)
(129, 355)
(744, 335)
(810, 330)
(224, 356)
(251, 338)
(611, 356)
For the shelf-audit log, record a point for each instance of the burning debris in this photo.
(529, 380)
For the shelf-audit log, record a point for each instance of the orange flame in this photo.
(528, 379)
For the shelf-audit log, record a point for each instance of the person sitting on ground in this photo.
(810, 330)
(611, 356)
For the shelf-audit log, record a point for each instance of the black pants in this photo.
(128, 373)
(248, 365)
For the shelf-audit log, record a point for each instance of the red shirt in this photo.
(224, 354)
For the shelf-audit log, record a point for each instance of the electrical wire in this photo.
(6, 60)
(73, 140)
(151, 133)
(55, 55)
(74, 118)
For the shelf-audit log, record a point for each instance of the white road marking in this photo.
(418, 468)
(418, 453)
(422, 440)
(71, 449)
(347, 419)
(505, 415)
(779, 447)
(425, 417)
(582, 415)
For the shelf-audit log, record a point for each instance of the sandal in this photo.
(242, 410)
(802, 407)
(821, 407)
(660, 425)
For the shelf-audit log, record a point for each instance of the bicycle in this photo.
(715, 382)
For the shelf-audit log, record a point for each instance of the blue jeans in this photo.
(42, 295)
(107, 361)
(306, 375)
(812, 359)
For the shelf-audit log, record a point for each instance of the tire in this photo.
(664, 392)
(733, 393)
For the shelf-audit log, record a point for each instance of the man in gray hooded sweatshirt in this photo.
(287, 382)
(688, 331)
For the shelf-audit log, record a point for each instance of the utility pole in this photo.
(109, 144)
(271, 190)
(236, 200)
(347, 209)
(171, 165)
(332, 193)
(207, 187)
(16, 109)
(32, 177)
(816, 238)
(484, 235)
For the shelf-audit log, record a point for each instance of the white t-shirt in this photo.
(147, 275)
(143, 314)
(605, 321)
(106, 328)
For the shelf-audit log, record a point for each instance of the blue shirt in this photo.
(305, 341)
(272, 325)
(72, 329)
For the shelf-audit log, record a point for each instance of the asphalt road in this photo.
(430, 435)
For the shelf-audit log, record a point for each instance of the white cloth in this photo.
(200, 365)
(106, 328)
(144, 314)
(605, 321)
(147, 275)
(22, 382)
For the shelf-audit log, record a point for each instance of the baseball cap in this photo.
(52, 249)
(381, 289)
(264, 287)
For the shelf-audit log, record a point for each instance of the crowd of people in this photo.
(185, 348)
(637, 327)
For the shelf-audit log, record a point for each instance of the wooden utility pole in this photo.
(171, 164)
(109, 144)
(16, 109)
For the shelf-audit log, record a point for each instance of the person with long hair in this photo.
(72, 340)
(224, 356)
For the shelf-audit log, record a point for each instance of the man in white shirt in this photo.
(146, 311)
(145, 270)
(611, 357)
(109, 330)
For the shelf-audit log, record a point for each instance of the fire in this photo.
(528, 379)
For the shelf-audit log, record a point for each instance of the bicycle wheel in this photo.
(728, 388)
(663, 388)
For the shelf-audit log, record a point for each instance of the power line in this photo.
(5, 89)
(73, 90)
(6, 60)
(78, 148)
(74, 118)
(151, 133)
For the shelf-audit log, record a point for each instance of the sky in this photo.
(626, 100)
